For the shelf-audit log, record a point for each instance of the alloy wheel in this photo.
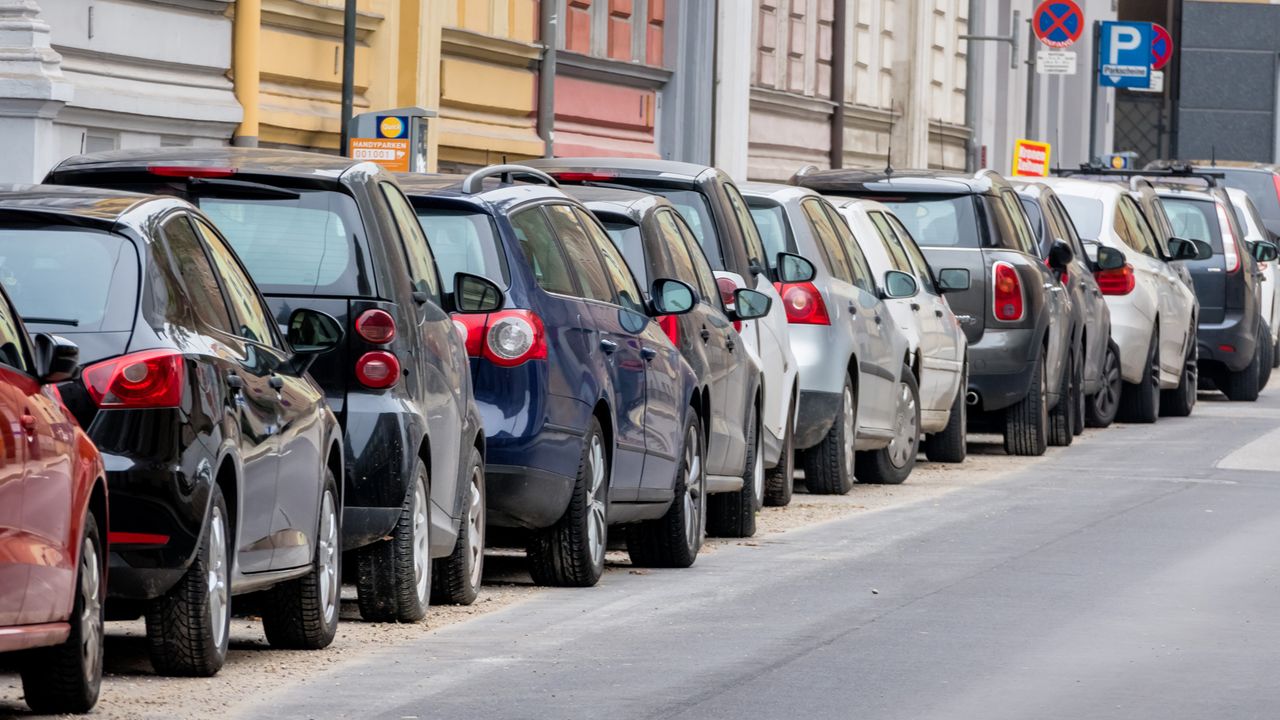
(695, 509)
(850, 431)
(1108, 395)
(91, 609)
(757, 473)
(328, 557)
(216, 579)
(421, 541)
(903, 446)
(475, 527)
(595, 502)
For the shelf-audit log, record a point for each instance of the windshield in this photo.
(1195, 220)
(1086, 215)
(626, 237)
(70, 280)
(771, 221)
(463, 241)
(693, 207)
(938, 221)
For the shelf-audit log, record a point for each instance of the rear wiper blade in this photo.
(219, 187)
(72, 322)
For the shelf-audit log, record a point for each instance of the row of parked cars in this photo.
(257, 375)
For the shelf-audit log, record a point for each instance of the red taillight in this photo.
(378, 369)
(579, 176)
(376, 326)
(189, 171)
(147, 379)
(1230, 248)
(670, 325)
(1007, 292)
(803, 304)
(513, 337)
(727, 288)
(132, 538)
(1119, 281)
(1227, 348)
(471, 328)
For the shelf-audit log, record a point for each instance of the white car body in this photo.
(1159, 293)
(1253, 232)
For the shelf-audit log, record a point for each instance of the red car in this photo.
(53, 525)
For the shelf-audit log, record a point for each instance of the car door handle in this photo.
(706, 335)
(235, 382)
(938, 313)
(28, 422)
(276, 382)
(648, 353)
(609, 346)
(915, 307)
(879, 320)
(729, 343)
(853, 307)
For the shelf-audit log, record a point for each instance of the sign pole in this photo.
(1031, 80)
(1093, 92)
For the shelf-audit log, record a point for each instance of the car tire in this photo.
(1062, 417)
(1180, 401)
(1140, 402)
(673, 540)
(892, 464)
(779, 482)
(733, 514)
(188, 628)
(1275, 355)
(66, 678)
(302, 614)
(828, 466)
(1077, 419)
(1244, 385)
(1101, 408)
(393, 576)
(951, 445)
(456, 579)
(1026, 424)
(571, 552)
(1267, 362)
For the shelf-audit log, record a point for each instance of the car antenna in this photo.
(888, 156)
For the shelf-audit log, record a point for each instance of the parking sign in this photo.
(1124, 55)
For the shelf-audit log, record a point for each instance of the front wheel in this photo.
(780, 481)
(302, 614)
(393, 576)
(1101, 409)
(66, 678)
(1026, 424)
(571, 552)
(673, 540)
(733, 514)
(456, 579)
(828, 467)
(892, 464)
(1180, 401)
(1140, 402)
(1062, 419)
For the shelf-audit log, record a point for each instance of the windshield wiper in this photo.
(72, 322)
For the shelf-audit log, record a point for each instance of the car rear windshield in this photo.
(70, 280)
(771, 220)
(1261, 187)
(1086, 215)
(464, 241)
(1194, 219)
(942, 221)
(626, 237)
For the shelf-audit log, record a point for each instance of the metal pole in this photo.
(549, 22)
(970, 87)
(1093, 93)
(1031, 82)
(837, 83)
(348, 74)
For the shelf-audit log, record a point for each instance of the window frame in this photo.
(175, 267)
(393, 196)
(276, 341)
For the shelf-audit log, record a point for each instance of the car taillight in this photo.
(1119, 281)
(803, 304)
(1230, 249)
(376, 326)
(378, 369)
(580, 177)
(513, 337)
(727, 288)
(670, 325)
(189, 171)
(147, 379)
(1007, 295)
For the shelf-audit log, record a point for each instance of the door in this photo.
(251, 401)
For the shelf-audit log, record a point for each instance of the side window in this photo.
(706, 276)
(1024, 238)
(1068, 227)
(828, 240)
(192, 265)
(12, 348)
(681, 261)
(253, 322)
(582, 259)
(897, 256)
(626, 292)
(1138, 235)
(421, 263)
(862, 275)
(542, 251)
(908, 244)
(1150, 240)
(755, 246)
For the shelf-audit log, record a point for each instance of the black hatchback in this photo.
(223, 462)
(338, 236)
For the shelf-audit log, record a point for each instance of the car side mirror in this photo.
(1060, 255)
(953, 280)
(1265, 251)
(56, 358)
(794, 269)
(1110, 258)
(750, 304)
(898, 284)
(1184, 249)
(671, 297)
(312, 333)
(475, 294)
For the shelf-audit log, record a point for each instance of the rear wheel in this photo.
(455, 580)
(1179, 401)
(571, 552)
(892, 464)
(1062, 418)
(951, 445)
(780, 481)
(1140, 402)
(302, 614)
(828, 467)
(1100, 410)
(1026, 424)
(674, 539)
(1077, 420)
(66, 678)
(1244, 385)
(393, 577)
(733, 514)
(1267, 362)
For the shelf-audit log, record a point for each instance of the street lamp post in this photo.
(348, 74)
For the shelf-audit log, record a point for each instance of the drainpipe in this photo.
(970, 86)
(549, 27)
(245, 67)
(837, 83)
(348, 74)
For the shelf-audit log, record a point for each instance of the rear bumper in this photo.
(1001, 367)
(526, 497)
(1234, 332)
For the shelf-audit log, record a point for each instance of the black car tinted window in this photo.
(626, 237)
(583, 260)
(464, 241)
(1023, 238)
(625, 291)
(681, 261)
(755, 247)
(74, 280)
(422, 264)
(705, 274)
(198, 277)
(1039, 225)
(938, 220)
(693, 207)
(253, 320)
(542, 251)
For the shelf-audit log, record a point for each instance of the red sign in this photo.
(1161, 46)
(1031, 158)
(1058, 23)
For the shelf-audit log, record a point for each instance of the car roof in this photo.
(775, 191)
(1167, 191)
(251, 161)
(861, 204)
(914, 181)
(494, 196)
(633, 204)
(1098, 190)
(75, 205)
(639, 166)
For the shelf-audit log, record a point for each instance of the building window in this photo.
(96, 142)
(625, 30)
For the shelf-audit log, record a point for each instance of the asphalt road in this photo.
(1134, 575)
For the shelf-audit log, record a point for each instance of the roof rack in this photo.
(506, 175)
(1181, 171)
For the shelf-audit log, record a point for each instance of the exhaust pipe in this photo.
(971, 398)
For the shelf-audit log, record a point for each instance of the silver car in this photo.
(938, 346)
(859, 400)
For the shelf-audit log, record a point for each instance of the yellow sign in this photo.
(1030, 158)
(391, 127)
(390, 154)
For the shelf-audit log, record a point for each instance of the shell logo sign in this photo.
(1031, 158)
(391, 127)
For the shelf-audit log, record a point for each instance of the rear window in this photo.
(464, 241)
(1261, 187)
(771, 221)
(1195, 220)
(626, 237)
(1086, 215)
(940, 221)
(70, 280)
(291, 246)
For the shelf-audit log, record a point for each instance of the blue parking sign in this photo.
(1124, 55)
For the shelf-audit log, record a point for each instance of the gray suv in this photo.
(1014, 310)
